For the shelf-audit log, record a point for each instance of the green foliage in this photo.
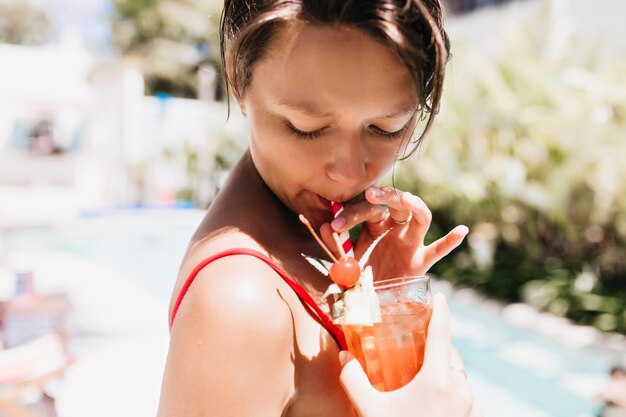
(204, 165)
(170, 38)
(528, 151)
(23, 25)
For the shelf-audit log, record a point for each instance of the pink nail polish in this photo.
(338, 223)
(377, 192)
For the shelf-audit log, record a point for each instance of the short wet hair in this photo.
(413, 29)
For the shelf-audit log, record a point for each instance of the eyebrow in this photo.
(402, 112)
(306, 107)
(312, 110)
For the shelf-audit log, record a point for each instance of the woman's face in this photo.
(328, 108)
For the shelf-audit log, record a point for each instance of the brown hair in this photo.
(412, 28)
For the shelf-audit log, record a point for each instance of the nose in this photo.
(347, 164)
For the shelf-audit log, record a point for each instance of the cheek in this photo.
(381, 157)
(264, 138)
(276, 151)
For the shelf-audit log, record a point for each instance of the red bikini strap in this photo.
(334, 330)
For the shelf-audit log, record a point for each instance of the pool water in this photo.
(525, 373)
(513, 371)
(147, 254)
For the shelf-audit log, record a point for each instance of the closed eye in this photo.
(398, 134)
(301, 133)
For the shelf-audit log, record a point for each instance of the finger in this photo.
(458, 373)
(421, 215)
(456, 361)
(443, 246)
(361, 212)
(463, 396)
(473, 409)
(438, 343)
(391, 198)
(355, 383)
(326, 233)
(476, 411)
(344, 357)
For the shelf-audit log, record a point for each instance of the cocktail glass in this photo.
(392, 352)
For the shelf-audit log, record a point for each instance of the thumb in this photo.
(355, 383)
(438, 347)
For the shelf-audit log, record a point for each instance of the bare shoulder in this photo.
(232, 337)
(235, 289)
(200, 250)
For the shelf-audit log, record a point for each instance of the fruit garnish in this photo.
(346, 271)
(356, 302)
(357, 305)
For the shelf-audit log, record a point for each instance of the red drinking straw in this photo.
(344, 238)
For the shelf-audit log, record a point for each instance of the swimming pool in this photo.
(513, 371)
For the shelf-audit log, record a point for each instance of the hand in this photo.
(402, 252)
(439, 389)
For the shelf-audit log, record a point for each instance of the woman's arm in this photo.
(231, 345)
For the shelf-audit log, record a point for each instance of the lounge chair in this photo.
(26, 371)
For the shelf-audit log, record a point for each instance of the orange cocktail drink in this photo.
(392, 352)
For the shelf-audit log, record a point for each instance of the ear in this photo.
(230, 77)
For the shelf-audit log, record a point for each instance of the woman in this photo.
(332, 92)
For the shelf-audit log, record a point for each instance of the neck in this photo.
(248, 206)
(247, 203)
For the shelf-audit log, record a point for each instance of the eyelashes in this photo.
(398, 134)
(300, 134)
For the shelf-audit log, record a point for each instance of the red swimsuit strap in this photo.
(334, 330)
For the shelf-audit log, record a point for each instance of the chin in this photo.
(319, 217)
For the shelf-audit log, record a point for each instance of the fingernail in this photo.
(464, 229)
(338, 223)
(344, 357)
(376, 192)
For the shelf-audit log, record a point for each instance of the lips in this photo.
(320, 211)
(346, 199)
(326, 203)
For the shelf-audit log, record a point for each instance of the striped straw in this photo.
(344, 238)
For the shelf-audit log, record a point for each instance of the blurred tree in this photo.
(24, 25)
(528, 152)
(172, 39)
